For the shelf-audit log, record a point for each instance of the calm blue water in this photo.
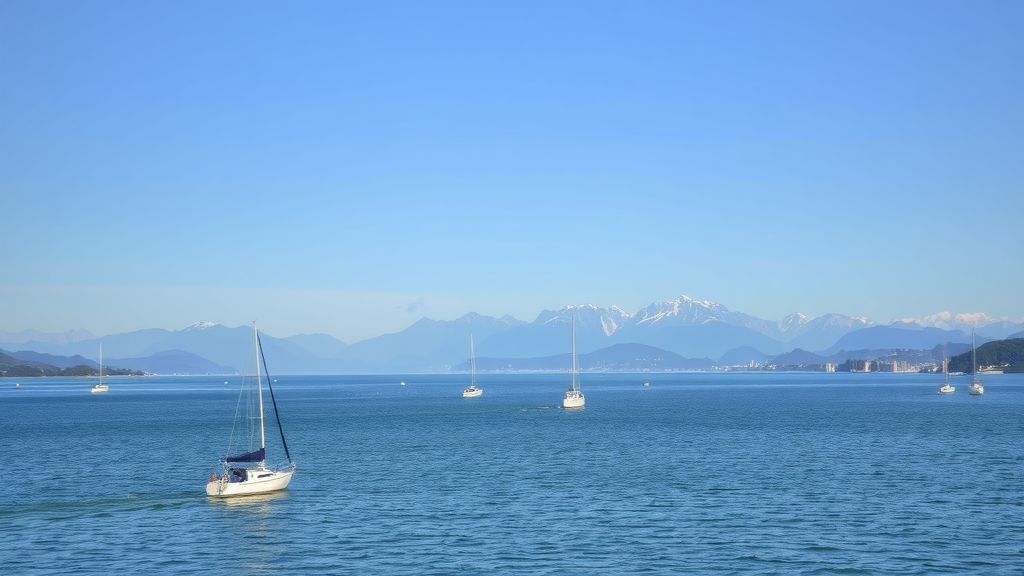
(699, 473)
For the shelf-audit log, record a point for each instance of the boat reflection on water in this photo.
(256, 537)
(252, 502)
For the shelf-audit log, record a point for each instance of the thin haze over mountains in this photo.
(684, 327)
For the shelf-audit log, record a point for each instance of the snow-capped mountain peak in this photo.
(949, 321)
(684, 310)
(613, 319)
(794, 321)
(610, 319)
(199, 326)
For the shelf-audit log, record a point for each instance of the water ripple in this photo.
(697, 474)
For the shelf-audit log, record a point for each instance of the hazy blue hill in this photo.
(742, 356)
(215, 343)
(544, 339)
(1002, 329)
(426, 344)
(124, 344)
(174, 362)
(1000, 353)
(950, 349)
(824, 331)
(708, 340)
(799, 357)
(53, 359)
(551, 333)
(618, 357)
(232, 347)
(320, 345)
(220, 346)
(11, 366)
(7, 359)
(532, 341)
(889, 337)
(557, 362)
(640, 357)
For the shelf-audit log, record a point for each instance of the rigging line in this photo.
(272, 400)
(234, 422)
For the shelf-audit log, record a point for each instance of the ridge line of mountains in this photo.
(681, 334)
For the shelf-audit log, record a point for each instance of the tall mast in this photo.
(472, 361)
(259, 384)
(974, 359)
(575, 386)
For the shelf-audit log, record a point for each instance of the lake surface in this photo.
(731, 473)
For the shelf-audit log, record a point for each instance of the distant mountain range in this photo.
(678, 334)
(29, 365)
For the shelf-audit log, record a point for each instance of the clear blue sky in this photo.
(348, 167)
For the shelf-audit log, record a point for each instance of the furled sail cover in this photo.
(255, 456)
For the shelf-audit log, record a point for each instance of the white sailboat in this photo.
(472, 391)
(574, 396)
(248, 473)
(975, 389)
(101, 387)
(946, 388)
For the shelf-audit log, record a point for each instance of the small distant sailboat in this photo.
(946, 388)
(574, 396)
(472, 391)
(248, 473)
(975, 389)
(101, 387)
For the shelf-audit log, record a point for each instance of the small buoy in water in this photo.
(17, 385)
(225, 382)
(403, 382)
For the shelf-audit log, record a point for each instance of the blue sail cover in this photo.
(255, 456)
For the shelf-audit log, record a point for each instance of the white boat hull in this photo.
(947, 390)
(573, 401)
(976, 390)
(472, 392)
(99, 388)
(270, 481)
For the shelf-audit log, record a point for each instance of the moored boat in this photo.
(975, 389)
(472, 391)
(574, 395)
(100, 387)
(248, 473)
(946, 388)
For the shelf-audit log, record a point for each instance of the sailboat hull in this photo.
(573, 401)
(472, 392)
(260, 481)
(975, 389)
